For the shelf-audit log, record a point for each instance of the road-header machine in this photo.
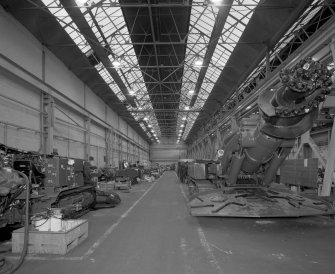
(252, 154)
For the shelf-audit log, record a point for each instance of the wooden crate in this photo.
(49, 242)
(110, 186)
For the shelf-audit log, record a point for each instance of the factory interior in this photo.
(167, 136)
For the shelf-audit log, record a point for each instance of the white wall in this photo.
(167, 153)
(21, 72)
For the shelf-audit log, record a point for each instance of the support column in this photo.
(48, 123)
(306, 139)
(113, 149)
(128, 152)
(267, 58)
(120, 148)
(108, 135)
(199, 146)
(210, 148)
(327, 180)
(203, 149)
(87, 125)
(234, 124)
(218, 140)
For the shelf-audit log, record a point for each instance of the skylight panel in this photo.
(71, 28)
(112, 25)
(234, 27)
(304, 19)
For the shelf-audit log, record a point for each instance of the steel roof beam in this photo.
(165, 110)
(79, 19)
(216, 34)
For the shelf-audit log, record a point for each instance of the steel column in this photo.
(306, 139)
(327, 181)
(87, 138)
(48, 123)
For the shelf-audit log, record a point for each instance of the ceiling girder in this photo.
(216, 34)
(77, 17)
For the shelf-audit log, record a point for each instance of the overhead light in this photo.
(145, 118)
(248, 107)
(184, 118)
(149, 126)
(81, 2)
(131, 92)
(198, 62)
(116, 63)
(182, 125)
(140, 108)
(191, 91)
(187, 108)
(216, 1)
(180, 130)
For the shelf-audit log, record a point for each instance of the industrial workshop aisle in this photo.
(157, 235)
(151, 232)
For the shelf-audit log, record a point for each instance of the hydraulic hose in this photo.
(26, 224)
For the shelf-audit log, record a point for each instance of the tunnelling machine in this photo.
(252, 154)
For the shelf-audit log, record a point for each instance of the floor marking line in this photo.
(91, 250)
(183, 192)
(208, 250)
(39, 258)
(187, 267)
(221, 250)
(94, 246)
(205, 244)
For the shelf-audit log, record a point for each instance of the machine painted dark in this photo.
(254, 152)
(56, 182)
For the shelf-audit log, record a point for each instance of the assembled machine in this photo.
(202, 175)
(251, 156)
(55, 182)
(122, 183)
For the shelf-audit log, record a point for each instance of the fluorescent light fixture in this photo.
(248, 107)
(81, 2)
(116, 63)
(191, 91)
(198, 62)
(184, 118)
(131, 92)
(149, 126)
(182, 125)
(145, 118)
(187, 108)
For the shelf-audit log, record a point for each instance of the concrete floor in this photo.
(151, 232)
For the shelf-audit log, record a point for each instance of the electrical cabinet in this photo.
(59, 173)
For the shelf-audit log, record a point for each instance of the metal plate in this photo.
(256, 202)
